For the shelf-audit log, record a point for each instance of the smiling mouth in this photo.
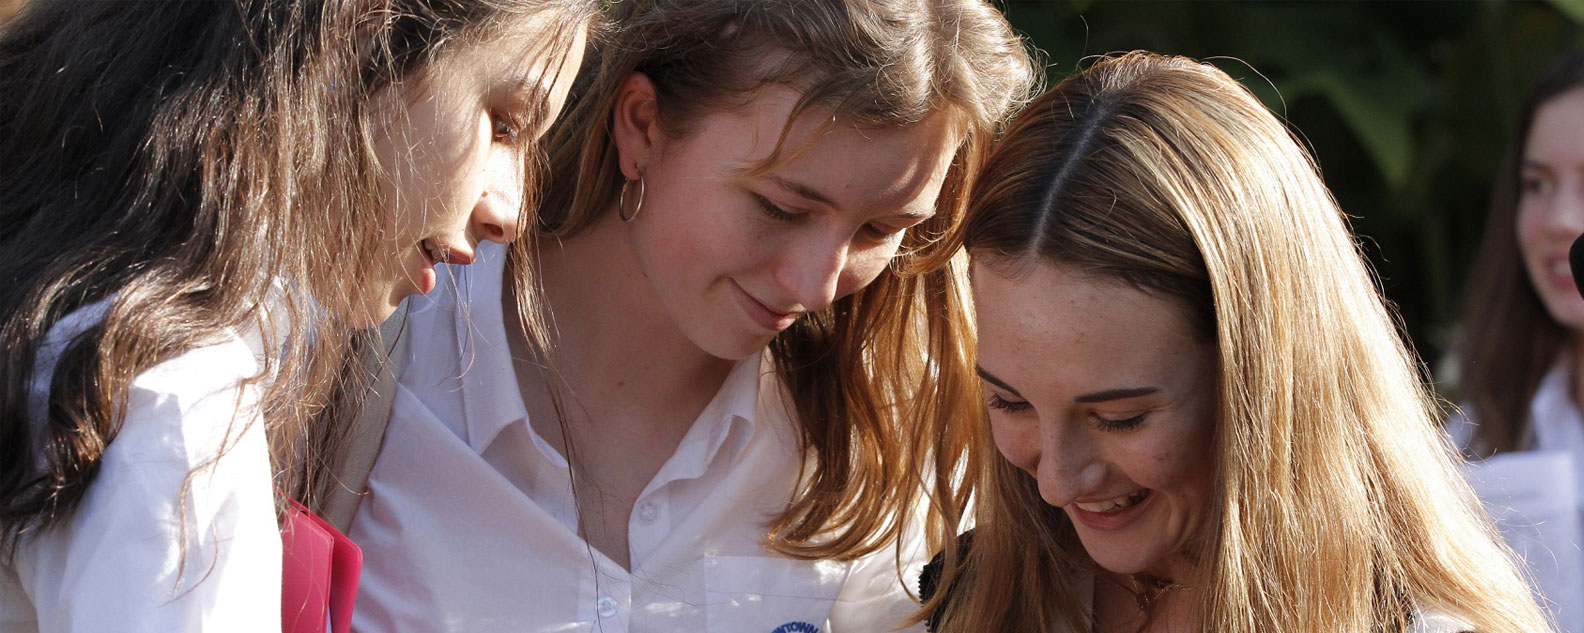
(1114, 505)
(762, 314)
(438, 253)
(431, 252)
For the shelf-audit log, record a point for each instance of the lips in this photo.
(1113, 513)
(1114, 504)
(436, 253)
(762, 315)
(1560, 270)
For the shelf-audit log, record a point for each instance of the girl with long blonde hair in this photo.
(743, 291)
(1201, 413)
(206, 205)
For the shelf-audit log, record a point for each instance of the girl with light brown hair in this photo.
(205, 206)
(745, 305)
(1201, 413)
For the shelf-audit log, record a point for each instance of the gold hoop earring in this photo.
(621, 202)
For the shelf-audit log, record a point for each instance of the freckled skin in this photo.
(1057, 337)
(705, 245)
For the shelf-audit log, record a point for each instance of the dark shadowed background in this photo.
(1408, 105)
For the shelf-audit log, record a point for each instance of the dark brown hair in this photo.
(1509, 339)
(181, 162)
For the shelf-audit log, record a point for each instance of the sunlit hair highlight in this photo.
(862, 373)
(203, 167)
(1338, 505)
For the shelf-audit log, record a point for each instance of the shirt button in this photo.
(606, 606)
(648, 512)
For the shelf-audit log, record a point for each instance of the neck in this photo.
(614, 353)
(1144, 604)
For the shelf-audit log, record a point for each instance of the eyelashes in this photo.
(1010, 406)
(770, 209)
(875, 233)
(506, 128)
(1125, 424)
(996, 402)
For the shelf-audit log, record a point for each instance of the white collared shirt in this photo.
(117, 565)
(1521, 491)
(470, 524)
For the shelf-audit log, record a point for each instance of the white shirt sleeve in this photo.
(139, 553)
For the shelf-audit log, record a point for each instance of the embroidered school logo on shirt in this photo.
(796, 627)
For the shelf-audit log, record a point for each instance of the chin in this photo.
(733, 348)
(376, 308)
(1121, 558)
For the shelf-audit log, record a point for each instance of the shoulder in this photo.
(180, 519)
(1433, 621)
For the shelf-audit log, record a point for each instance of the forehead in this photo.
(858, 167)
(1556, 136)
(528, 46)
(1053, 326)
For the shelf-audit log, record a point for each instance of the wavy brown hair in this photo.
(1509, 339)
(861, 372)
(1338, 505)
(184, 163)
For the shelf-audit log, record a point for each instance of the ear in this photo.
(636, 124)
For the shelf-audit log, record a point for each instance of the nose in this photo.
(495, 216)
(497, 212)
(1068, 468)
(1566, 214)
(810, 272)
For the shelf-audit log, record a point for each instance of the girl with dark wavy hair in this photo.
(205, 205)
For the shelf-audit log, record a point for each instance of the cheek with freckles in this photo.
(1016, 445)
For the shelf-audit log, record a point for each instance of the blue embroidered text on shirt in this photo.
(796, 627)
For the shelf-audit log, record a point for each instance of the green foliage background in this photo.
(1409, 106)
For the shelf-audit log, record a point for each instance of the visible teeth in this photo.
(435, 254)
(1113, 505)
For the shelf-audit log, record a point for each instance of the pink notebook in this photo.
(320, 574)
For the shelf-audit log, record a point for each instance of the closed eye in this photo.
(881, 232)
(1125, 424)
(995, 401)
(775, 212)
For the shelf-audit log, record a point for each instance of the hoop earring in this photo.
(621, 202)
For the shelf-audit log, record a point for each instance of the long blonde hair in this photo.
(892, 351)
(1339, 505)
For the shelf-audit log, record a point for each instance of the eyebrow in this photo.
(992, 379)
(1116, 394)
(803, 190)
(1098, 396)
(814, 195)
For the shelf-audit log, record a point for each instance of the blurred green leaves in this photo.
(1408, 105)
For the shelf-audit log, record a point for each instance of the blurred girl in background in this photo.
(1522, 350)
